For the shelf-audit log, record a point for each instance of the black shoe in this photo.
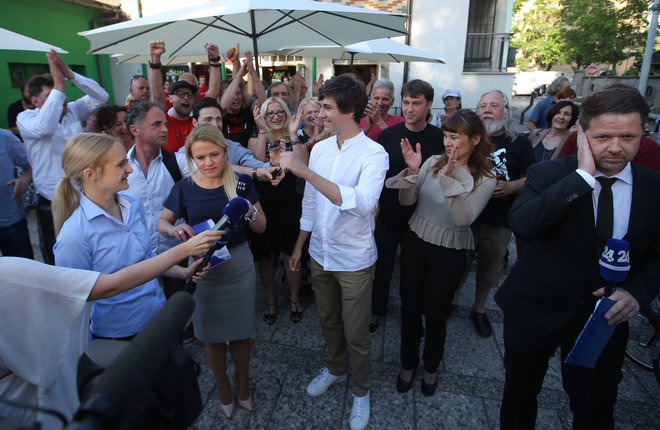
(429, 389)
(374, 322)
(404, 386)
(481, 324)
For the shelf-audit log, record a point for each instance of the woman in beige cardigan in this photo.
(450, 191)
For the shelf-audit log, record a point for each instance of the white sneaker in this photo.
(361, 412)
(322, 382)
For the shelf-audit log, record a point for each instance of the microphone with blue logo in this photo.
(233, 213)
(614, 265)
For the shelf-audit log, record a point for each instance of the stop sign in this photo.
(591, 70)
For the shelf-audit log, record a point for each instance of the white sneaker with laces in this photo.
(361, 412)
(322, 382)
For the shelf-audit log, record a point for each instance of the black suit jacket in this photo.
(554, 278)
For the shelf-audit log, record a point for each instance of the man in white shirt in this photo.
(46, 129)
(344, 180)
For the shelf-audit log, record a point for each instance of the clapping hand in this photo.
(451, 161)
(412, 157)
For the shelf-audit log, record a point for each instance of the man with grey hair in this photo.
(539, 116)
(511, 157)
(376, 115)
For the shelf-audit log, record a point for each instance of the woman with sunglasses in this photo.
(280, 201)
(450, 191)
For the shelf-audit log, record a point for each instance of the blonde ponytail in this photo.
(82, 151)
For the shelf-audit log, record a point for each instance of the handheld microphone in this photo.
(244, 185)
(233, 213)
(614, 263)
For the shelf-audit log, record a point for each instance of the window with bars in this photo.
(484, 47)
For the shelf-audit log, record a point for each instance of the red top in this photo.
(177, 132)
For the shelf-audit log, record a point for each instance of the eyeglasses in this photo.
(184, 94)
(272, 114)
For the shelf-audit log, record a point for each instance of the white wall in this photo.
(440, 26)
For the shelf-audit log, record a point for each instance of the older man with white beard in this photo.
(512, 156)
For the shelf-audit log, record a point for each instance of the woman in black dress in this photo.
(280, 201)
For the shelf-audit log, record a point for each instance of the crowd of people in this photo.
(340, 185)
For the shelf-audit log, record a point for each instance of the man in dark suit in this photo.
(552, 289)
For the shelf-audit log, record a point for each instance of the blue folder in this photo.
(595, 335)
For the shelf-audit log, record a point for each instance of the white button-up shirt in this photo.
(152, 190)
(44, 135)
(342, 237)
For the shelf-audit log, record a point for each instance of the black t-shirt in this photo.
(511, 159)
(195, 204)
(431, 140)
(239, 127)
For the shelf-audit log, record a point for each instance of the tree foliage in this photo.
(603, 31)
(578, 32)
(537, 28)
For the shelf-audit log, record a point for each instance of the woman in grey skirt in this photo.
(224, 315)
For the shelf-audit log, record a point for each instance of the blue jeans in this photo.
(15, 240)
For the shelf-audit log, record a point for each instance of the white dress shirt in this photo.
(342, 237)
(45, 135)
(152, 190)
(621, 198)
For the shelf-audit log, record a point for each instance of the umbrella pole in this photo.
(352, 56)
(254, 45)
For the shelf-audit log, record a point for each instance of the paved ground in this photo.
(287, 356)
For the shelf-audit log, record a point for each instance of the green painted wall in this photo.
(57, 23)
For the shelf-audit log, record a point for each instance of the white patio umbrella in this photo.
(374, 50)
(166, 61)
(259, 25)
(17, 42)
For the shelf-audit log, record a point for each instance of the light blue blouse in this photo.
(94, 240)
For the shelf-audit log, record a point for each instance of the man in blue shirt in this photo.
(539, 116)
(14, 235)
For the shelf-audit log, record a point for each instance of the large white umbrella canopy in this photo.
(166, 61)
(258, 25)
(17, 42)
(373, 50)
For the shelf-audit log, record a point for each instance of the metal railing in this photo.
(485, 52)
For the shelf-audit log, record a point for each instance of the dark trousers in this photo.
(15, 240)
(46, 229)
(592, 392)
(429, 276)
(388, 238)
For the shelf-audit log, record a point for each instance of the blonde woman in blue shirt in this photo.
(100, 229)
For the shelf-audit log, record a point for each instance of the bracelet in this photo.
(214, 64)
(263, 132)
(214, 59)
(295, 142)
(155, 65)
(253, 217)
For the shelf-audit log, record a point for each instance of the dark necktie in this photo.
(605, 213)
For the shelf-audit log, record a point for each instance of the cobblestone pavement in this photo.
(286, 356)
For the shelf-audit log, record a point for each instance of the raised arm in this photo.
(254, 79)
(215, 77)
(156, 50)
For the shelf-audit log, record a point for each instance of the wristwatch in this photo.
(253, 217)
(254, 174)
